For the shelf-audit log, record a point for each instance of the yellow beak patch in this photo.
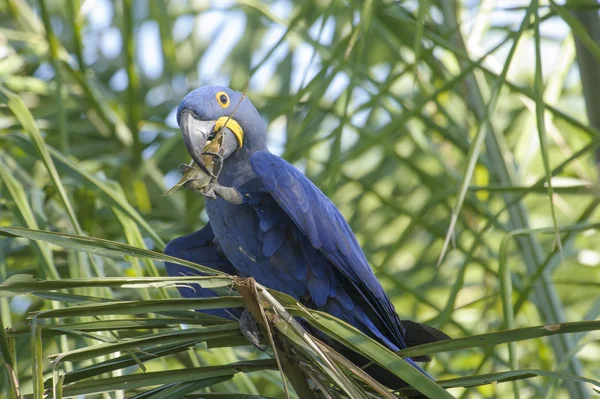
(232, 125)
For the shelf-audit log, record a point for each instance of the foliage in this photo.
(458, 138)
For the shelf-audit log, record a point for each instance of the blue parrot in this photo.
(268, 221)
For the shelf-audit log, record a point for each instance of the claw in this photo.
(212, 154)
(185, 168)
(217, 163)
(249, 328)
(210, 193)
(205, 170)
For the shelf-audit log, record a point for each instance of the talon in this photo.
(212, 154)
(218, 165)
(205, 170)
(209, 193)
(185, 168)
(217, 162)
(229, 194)
(250, 329)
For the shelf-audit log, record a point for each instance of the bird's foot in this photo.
(193, 179)
(249, 328)
(209, 193)
(208, 186)
(229, 194)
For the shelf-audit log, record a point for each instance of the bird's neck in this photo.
(237, 169)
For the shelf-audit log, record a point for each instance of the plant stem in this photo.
(589, 67)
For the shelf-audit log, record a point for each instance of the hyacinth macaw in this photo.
(268, 221)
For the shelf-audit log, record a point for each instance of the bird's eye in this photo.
(223, 99)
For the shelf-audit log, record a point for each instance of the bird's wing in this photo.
(327, 230)
(199, 247)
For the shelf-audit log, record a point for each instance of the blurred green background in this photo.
(403, 112)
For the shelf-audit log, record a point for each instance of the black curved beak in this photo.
(197, 133)
(195, 136)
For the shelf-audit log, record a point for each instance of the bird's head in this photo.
(206, 110)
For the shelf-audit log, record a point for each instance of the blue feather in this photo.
(328, 231)
(319, 290)
(272, 241)
(199, 247)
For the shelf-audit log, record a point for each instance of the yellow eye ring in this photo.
(222, 99)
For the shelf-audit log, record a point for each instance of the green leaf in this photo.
(189, 336)
(98, 246)
(133, 381)
(500, 337)
(25, 283)
(373, 350)
(145, 306)
(121, 362)
(503, 376)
